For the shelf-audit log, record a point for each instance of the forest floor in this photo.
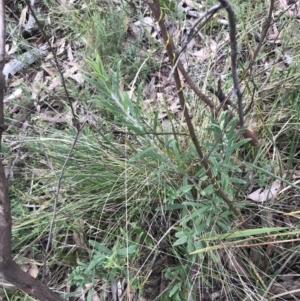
(110, 197)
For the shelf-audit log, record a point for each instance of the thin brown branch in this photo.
(5, 219)
(75, 121)
(2, 62)
(195, 88)
(262, 38)
(13, 274)
(5, 216)
(224, 103)
(207, 100)
(234, 50)
(209, 14)
(9, 270)
(202, 96)
(56, 195)
(155, 7)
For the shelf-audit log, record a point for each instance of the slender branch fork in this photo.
(169, 45)
(208, 101)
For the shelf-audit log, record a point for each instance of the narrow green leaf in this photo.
(244, 233)
(180, 241)
(155, 122)
(199, 214)
(149, 153)
(100, 247)
(272, 175)
(98, 258)
(127, 251)
(236, 145)
(170, 207)
(237, 181)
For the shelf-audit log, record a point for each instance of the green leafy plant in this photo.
(109, 264)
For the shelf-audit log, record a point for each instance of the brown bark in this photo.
(13, 274)
(9, 270)
(5, 219)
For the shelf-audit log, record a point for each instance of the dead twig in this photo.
(234, 50)
(195, 88)
(75, 121)
(209, 13)
(224, 102)
(262, 38)
(56, 195)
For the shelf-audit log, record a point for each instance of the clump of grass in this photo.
(106, 31)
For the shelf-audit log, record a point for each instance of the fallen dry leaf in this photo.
(260, 196)
(22, 18)
(17, 94)
(207, 52)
